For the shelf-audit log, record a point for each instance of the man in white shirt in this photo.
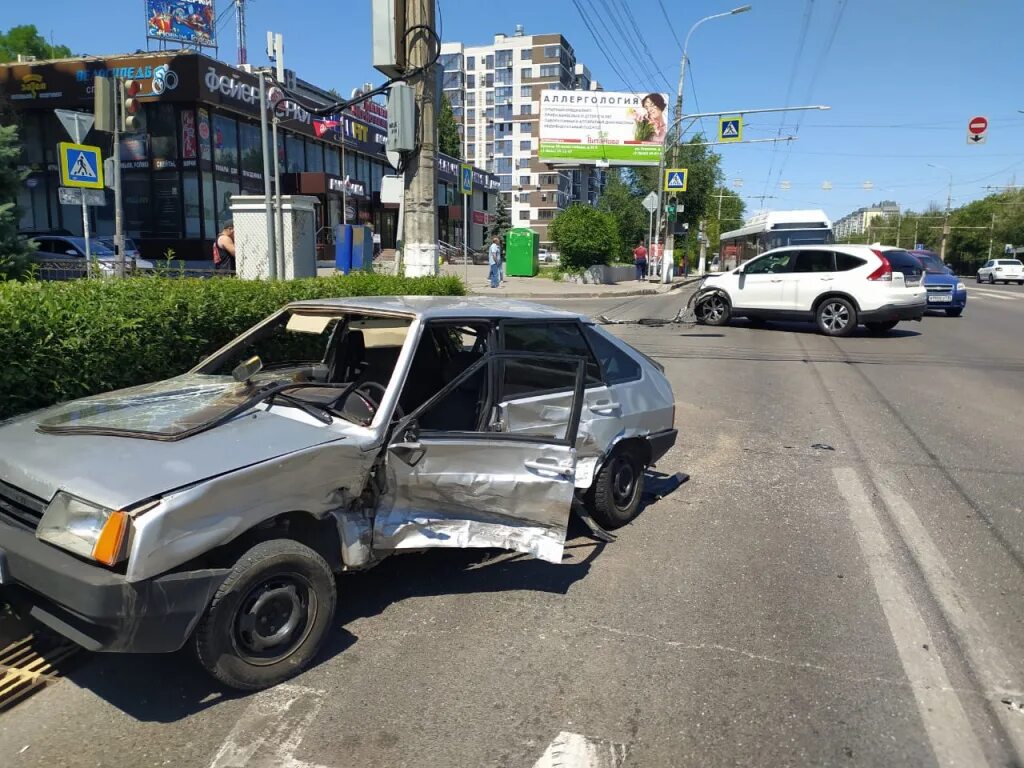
(494, 262)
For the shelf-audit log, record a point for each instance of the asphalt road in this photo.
(839, 583)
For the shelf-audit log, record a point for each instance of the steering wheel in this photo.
(375, 395)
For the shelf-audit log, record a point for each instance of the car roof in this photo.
(433, 307)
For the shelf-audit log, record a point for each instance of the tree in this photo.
(584, 236)
(448, 139)
(502, 219)
(14, 250)
(25, 39)
(625, 205)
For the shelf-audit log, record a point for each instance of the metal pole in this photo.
(991, 235)
(85, 231)
(118, 200)
(420, 243)
(267, 200)
(945, 222)
(278, 213)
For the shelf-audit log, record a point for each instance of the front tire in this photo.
(954, 312)
(713, 310)
(879, 328)
(836, 317)
(977, 279)
(991, 279)
(614, 499)
(269, 617)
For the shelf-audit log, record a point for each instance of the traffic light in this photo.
(103, 104)
(131, 120)
(670, 209)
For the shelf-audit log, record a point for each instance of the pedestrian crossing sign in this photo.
(81, 165)
(675, 179)
(466, 179)
(730, 129)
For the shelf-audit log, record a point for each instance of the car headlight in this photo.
(961, 287)
(87, 529)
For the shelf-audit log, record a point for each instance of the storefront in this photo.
(199, 144)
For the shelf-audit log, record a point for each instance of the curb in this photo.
(594, 295)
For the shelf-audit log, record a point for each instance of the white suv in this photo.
(1007, 270)
(835, 286)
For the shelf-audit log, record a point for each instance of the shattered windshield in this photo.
(166, 409)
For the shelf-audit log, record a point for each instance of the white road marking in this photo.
(996, 674)
(573, 750)
(952, 740)
(271, 729)
(981, 293)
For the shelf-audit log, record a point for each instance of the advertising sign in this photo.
(185, 21)
(588, 126)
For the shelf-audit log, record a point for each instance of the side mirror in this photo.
(247, 369)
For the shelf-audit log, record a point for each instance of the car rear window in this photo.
(904, 262)
(1010, 263)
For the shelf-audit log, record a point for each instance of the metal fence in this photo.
(78, 268)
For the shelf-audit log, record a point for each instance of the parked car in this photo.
(62, 257)
(544, 256)
(835, 286)
(332, 434)
(131, 250)
(1005, 270)
(946, 291)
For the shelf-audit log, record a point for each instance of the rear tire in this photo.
(836, 317)
(614, 499)
(977, 279)
(880, 328)
(269, 617)
(954, 312)
(713, 310)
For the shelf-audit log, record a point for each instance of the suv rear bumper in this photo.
(97, 608)
(888, 312)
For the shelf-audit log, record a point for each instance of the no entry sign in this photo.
(977, 130)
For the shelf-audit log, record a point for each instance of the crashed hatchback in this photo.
(215, 508)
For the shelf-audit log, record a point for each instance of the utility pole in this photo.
(118, 203)
(243, 56)
(267, 199)
(945, 221)
(991, 235)
(703, 235)
(420, 224)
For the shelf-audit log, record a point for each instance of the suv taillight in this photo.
(884, 271)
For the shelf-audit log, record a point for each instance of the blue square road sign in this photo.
(81, 165)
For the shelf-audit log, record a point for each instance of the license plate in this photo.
(940, 299)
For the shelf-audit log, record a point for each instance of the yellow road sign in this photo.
(730, 129)
(81, 165)
(675, 179)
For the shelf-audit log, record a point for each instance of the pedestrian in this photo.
(224, 249)
(494, 262)
(640, 259)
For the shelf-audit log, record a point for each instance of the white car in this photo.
(835, 286)
(1007, 270)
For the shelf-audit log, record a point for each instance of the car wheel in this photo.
(1020, 282)
(977, 278)
(954, 312)
(269, 617)
(713, 310)
(991, 279)
(614, 499)
(836, 317)
(885, 327)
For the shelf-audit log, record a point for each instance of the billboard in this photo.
(185, 21)
(582, 127)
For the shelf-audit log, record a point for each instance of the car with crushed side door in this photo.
(213, 509)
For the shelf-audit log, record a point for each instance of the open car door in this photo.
(485, 487)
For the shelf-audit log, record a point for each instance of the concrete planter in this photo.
(604, 274)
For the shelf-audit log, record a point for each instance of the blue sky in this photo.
(903, 77)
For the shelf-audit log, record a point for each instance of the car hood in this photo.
(931, 278)
(120, 471)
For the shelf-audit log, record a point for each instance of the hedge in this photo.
(64, 340)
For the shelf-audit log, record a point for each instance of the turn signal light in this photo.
(111, 540)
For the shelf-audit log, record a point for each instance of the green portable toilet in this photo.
(521, 246)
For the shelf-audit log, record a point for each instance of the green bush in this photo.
(584, 236)
(64, 340)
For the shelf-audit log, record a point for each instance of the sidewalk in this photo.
(540, 287)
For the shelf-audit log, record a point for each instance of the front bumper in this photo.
(889, 312)
(97, 608)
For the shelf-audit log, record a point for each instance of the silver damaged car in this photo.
(215, 508)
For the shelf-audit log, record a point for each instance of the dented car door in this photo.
(484, 488)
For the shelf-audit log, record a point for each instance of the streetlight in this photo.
(670, 237)
(949, 202)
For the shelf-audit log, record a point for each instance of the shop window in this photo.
(210, 229)
(251, 147)
(31, 140)
(294, 153)
(314, 157)
(225, 190)
(163, 134)
(193, 208)
(138, 205)
(332, 161)
(166, 205)
(225, 144)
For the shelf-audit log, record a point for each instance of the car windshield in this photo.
(315, 354)
(932, 264)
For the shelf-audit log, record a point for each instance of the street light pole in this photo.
(670, 236)
(949, 203)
